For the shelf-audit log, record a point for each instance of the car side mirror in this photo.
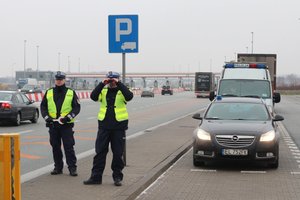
(276, 97)
(197, 116)
(278, 118)
(212, 95)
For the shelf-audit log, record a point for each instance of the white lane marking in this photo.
(91, 118)
(297, 154)
(295, 173)
(20, 132)
(298, 161)
(41, 171)
(253, 172)
(203, 170)
(297, 157)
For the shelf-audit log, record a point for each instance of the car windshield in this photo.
(237, 111)
(245, 88)
(5, 96)
(147, 89)
(28, 87)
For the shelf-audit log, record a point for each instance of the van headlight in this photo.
(267, 137)
(203, 135)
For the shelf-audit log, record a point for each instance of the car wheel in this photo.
(35, 117)
(198, 163)
(275, 164)
(18, 120)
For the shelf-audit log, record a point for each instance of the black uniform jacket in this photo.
(110, 121)
(59, 93)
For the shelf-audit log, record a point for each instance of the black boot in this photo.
(118, 182)
(73, 172)
(56, 171)
(92, 181)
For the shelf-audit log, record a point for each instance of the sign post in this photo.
(123, 38)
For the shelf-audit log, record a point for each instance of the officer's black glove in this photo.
(64, 120)
(49, 119)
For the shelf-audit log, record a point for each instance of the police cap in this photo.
(111, 74)
(60, 75)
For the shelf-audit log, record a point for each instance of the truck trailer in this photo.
(204, 84)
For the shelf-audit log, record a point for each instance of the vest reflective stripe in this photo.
(66, 107)
(121, 113)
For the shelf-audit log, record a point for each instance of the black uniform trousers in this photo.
(65, 134)
(116, 140)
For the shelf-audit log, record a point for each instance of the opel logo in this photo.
(235, 138)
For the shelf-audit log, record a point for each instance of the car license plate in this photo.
(235, 152)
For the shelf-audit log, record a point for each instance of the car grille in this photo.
(235, 140)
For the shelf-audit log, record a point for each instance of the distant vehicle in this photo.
(204, 84)
(147, 92)
(23, 81)
(128, 45)
(166, 90)
(237, 128)
(16, 107)
(31, 89)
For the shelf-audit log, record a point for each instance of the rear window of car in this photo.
(238, 111)
(5, 96)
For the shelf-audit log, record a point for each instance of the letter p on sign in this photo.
(123, 32)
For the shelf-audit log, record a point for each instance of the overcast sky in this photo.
(174, 35)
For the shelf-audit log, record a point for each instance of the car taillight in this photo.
(6, 106)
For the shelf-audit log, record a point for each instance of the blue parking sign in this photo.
(123, 33)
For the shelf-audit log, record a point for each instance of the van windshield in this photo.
(245, 88)
(245, 73)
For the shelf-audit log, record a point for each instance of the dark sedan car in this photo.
(237, 129)
(147, 92)
(31, 89)
(16, 107)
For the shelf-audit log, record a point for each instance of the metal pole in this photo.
(123, 81)
(79, 65)
(24, 58)
(68, 63)
(58, 61)
(123, 68)
(37, 63)
(252, 43)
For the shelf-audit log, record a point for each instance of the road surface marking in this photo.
(253, 172)
(31, 157)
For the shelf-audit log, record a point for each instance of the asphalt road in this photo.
(144, 113)
(232, 180)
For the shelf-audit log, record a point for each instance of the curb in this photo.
(137, 188)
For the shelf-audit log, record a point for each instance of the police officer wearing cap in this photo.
(59, 107)
(112, 124)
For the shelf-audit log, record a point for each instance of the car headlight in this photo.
(267, 137)
(203, 135)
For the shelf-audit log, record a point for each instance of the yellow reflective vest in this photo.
(66, 107)
(120, 106)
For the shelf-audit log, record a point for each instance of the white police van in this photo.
(247, 80)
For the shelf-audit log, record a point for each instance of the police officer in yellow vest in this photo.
(112, 124)
(59, 107)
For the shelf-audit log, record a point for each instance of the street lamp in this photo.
(79, 65)
(24, 58)
(58, 61)
(68, 63)
(37, 63)
(252, 43)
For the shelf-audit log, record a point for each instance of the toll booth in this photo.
(10, 183)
